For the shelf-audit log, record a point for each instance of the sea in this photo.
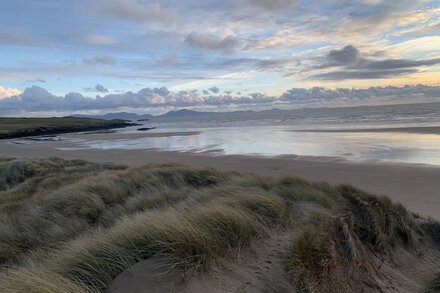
(302, 132)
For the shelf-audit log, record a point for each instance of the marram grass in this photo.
(73, 226)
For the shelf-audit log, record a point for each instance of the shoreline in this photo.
(409, 129)
(416, 186)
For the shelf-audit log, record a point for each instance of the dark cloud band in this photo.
(37, 99)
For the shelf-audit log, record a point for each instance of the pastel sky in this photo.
(152, 56)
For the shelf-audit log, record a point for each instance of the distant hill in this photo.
(275, 113)
(118, 115)
(184, 113)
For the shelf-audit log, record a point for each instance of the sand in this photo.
(416, 186)
(121, 135)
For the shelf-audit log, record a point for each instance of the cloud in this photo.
(37, 99)
(370, 74)
(166, 60)
(98, 88)
(138, 12)
(272, 4)
(215, 90)
(37, 80)
(8, 92)
(100, 59)
(372, 95)
(253, 63)
(397, 63)
(347, 55)
(211, 42)
(16, 36)
(101, 89)
(348, 63)
(102, 40)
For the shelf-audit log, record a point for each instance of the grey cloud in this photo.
(16, 36)
(98, 88)
(352, 65)
(254, 63)
(38, 80)
(212, 42)
(215, 90)
(347, 55)
(168, 59)
(321, 95)
(100, 59)
(273, 4)
(37, 99)
(398, 63)
(357, 74)
(138, 12)
(101, 89)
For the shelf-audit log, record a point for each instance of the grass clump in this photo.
(332, 258)
(432, 228)
(380, 223)
(341, 252)
(434, 285)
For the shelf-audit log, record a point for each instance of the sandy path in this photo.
(415, 186)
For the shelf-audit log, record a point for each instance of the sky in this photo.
(59, 57)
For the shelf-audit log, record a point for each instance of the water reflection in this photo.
(274, 140)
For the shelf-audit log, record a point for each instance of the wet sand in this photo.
(414, 185)
(122, 135)
(418, 130)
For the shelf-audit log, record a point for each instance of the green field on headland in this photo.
(22, 127)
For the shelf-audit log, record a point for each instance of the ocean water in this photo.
(275, 133)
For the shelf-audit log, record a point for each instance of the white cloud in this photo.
(420, 46)
(8, 92)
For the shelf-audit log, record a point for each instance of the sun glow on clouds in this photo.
(8, 92)
(265, 47)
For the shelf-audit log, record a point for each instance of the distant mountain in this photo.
(183, 113)
(186, 114)
(118, 115)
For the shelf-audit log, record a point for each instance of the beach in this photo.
(416, 186)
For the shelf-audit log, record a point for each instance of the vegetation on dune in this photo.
(87, 222)
(22, 127)
(73, 226)
(434, 285)
(343, 251)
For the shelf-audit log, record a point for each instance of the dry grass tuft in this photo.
(340, 254)
(433, 286)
